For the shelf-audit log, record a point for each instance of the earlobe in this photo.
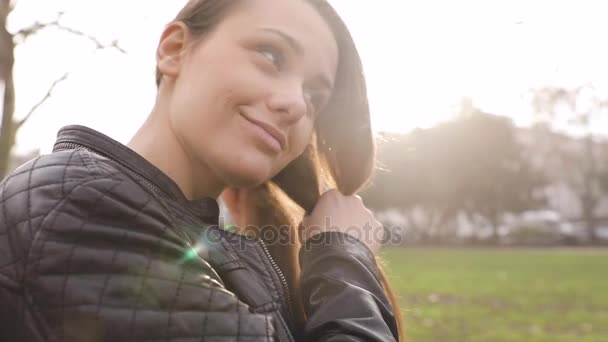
(169, 54)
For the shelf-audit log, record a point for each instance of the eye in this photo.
(272, 55)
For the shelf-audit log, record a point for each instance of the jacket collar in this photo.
(76, 136)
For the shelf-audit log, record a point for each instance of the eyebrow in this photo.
(296, 46)
(293, 43)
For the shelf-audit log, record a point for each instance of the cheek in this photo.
(205, 104)
(302, 136)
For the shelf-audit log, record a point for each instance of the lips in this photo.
(270, 129)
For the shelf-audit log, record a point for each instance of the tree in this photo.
(589, 179)
(413, 183)
(473, 165)
(486, 167)
(9, 125)
(7, 61)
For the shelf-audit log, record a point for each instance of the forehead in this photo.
(297, 18)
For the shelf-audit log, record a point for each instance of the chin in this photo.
(244, 166)
(246, 177)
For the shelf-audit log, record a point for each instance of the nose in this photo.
(290, 102)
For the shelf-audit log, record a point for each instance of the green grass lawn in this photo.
(502, 294)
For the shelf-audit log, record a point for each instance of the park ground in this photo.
(452, 294)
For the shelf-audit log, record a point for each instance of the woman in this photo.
(257, 99)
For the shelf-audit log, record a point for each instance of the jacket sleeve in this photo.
(341, 290)
(88, 255)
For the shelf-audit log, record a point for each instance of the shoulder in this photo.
(59, 167)
(65, 194)
(49, 185)
(42, 184)
(55, 173)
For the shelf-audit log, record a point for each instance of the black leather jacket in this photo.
(97, 244)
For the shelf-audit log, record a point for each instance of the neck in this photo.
(159, 144)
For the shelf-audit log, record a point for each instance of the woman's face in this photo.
(246, 95)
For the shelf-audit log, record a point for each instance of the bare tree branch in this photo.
(28, 31)
(25, 32)
(46, 97)
(36, 27)
(98, 44)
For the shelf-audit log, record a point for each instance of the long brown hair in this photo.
(341, 153)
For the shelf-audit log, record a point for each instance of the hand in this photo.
(346, 214)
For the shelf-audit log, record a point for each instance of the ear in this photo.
(171, 49)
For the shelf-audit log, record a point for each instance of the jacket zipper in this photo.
(288, 302)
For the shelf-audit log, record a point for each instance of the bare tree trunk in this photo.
(8, 130)
(588, 198)
(7, 61)
(494, 223)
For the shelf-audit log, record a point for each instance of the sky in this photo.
(420, 58)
